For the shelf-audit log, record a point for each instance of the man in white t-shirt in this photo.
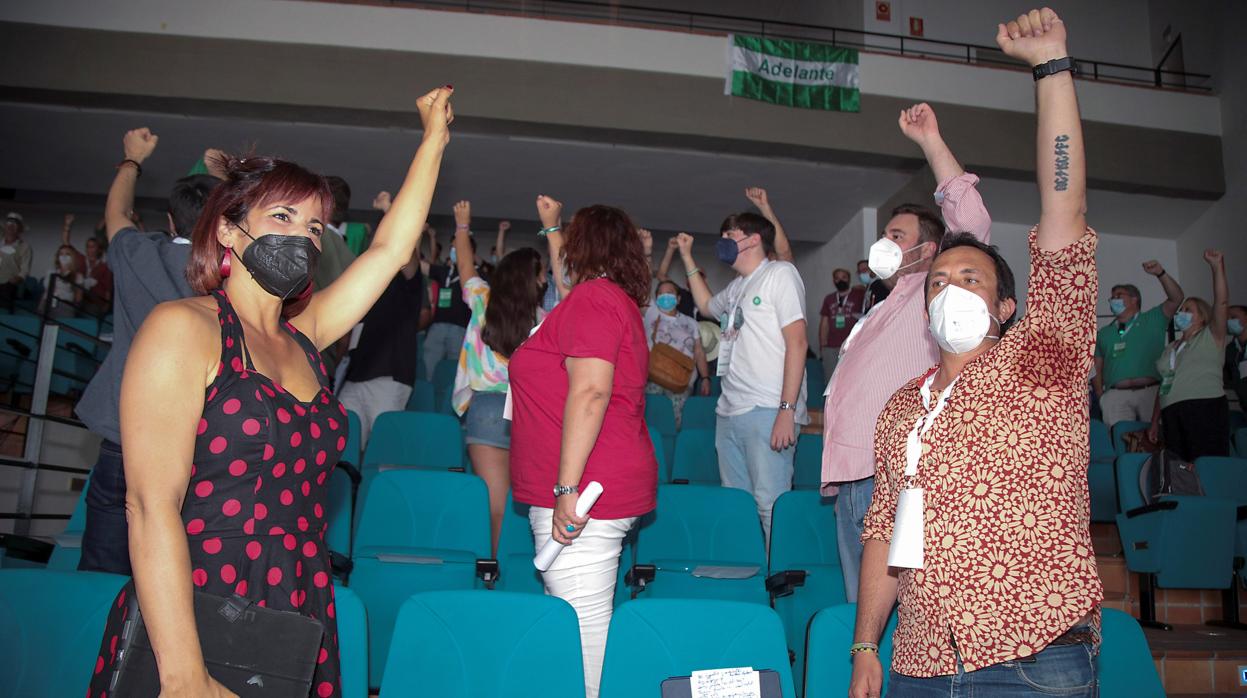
(762, 352)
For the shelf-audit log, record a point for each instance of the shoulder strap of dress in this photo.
(310, 352)
(234, 355)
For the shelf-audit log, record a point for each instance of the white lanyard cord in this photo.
(913, 444)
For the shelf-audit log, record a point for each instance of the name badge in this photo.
(1118, 348)
(840, 322)
(906, 548)
(443, 298)
(725, 357)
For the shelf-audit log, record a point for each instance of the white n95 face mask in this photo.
(960, 320)
(886, 256)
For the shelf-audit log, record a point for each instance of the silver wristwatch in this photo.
(560, 490)
(785, 405)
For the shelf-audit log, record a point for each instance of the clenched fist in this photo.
(1035, 37)
(549, 211)
(463, 214)
(918, 123)
(139, 144)
(1153, 267)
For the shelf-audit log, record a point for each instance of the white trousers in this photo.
(372, 397)
(1128, 405)
(584, 576)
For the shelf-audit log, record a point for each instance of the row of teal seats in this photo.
(693, 458)
(474, 644)
(1182, 541)
(52, 624)
(77, 357)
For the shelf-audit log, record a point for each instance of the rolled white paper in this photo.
(551, 549)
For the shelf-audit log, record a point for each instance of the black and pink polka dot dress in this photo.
(255, 507)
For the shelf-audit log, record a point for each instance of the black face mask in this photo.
(283, 265)
(842, 286)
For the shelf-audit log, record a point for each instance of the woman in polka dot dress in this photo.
(227, 419)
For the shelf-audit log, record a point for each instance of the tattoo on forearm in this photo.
(1061, 152)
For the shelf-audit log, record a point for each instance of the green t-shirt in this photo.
(1131, 351)
(1191, 370)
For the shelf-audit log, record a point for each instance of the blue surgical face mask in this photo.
(1182, 321)
(865, 278)
(1117, 306)
(1235, 326)
(666, 302)
(728, 250)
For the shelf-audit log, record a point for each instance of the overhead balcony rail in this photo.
(875, 42)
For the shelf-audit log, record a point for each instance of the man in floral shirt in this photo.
(981, 508)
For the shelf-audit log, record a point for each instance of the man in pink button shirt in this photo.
(891, 345)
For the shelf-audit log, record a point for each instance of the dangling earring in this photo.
(225, 264)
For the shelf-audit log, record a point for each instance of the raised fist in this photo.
(1153, 267)
(549, 211)
(139, 144)
(1213, 257)
(382, 202)
(69, 220)
(504, 226)
(436, 114)
(647, 240)
(463, 213)
(757, 196)
(918, 123)
(673, 244)
(1035, 37)
(685, 242)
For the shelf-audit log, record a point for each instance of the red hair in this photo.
(252, 182)
(602, 241)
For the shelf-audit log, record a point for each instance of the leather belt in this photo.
(1078, 635)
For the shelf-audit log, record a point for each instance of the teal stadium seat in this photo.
(1101, 478)
(1126, 667)
(414, 440)
(828, 668)
(1240, 442)
(423, 398)
(807, 464)
(664, 463)
(660, 415)
(702, 542)
(1157, 538)
(696, 460)
(419, 530)
(805, 570)
(815, 383)
(344, 483)
(699, 413)
(51, 626)
(479, 644)
(1227, 477)
(444, 385)
(352, 641)
(516, 551)
(656, 639)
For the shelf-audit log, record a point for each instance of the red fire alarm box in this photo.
(915, 26)
(883, 11)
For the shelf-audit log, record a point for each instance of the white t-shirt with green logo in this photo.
(769, 299)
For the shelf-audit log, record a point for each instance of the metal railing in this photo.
(34, 376)
(877, 42)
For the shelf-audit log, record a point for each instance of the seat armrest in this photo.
(341, 565)
(1164, 505)
(487, 571)
(640, 575)
(351, 472)
(679, 481)
(783, 583)
(26, 548)
(1242, 513)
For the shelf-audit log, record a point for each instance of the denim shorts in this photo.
(483, 423)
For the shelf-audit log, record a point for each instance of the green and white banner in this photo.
(792, 73)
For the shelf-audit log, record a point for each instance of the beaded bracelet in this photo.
(691, 272)
(858, 647)
(137, 167)
(546, 231)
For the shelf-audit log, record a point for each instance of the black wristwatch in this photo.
(1054, 66)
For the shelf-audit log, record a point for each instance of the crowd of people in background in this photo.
(264, 299)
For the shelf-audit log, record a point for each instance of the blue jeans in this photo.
(747, 462)
(106, 537)
(443, 342)
(1060, 670)
(851, 506)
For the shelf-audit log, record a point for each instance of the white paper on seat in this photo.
(724, 572)
(740, 682)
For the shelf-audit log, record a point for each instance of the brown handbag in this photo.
(669, 367)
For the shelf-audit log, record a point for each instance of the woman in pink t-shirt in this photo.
(578, 405)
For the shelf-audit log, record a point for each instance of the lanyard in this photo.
(1123, 331)
(1173, 356)
(735, 316)
(913, 444)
